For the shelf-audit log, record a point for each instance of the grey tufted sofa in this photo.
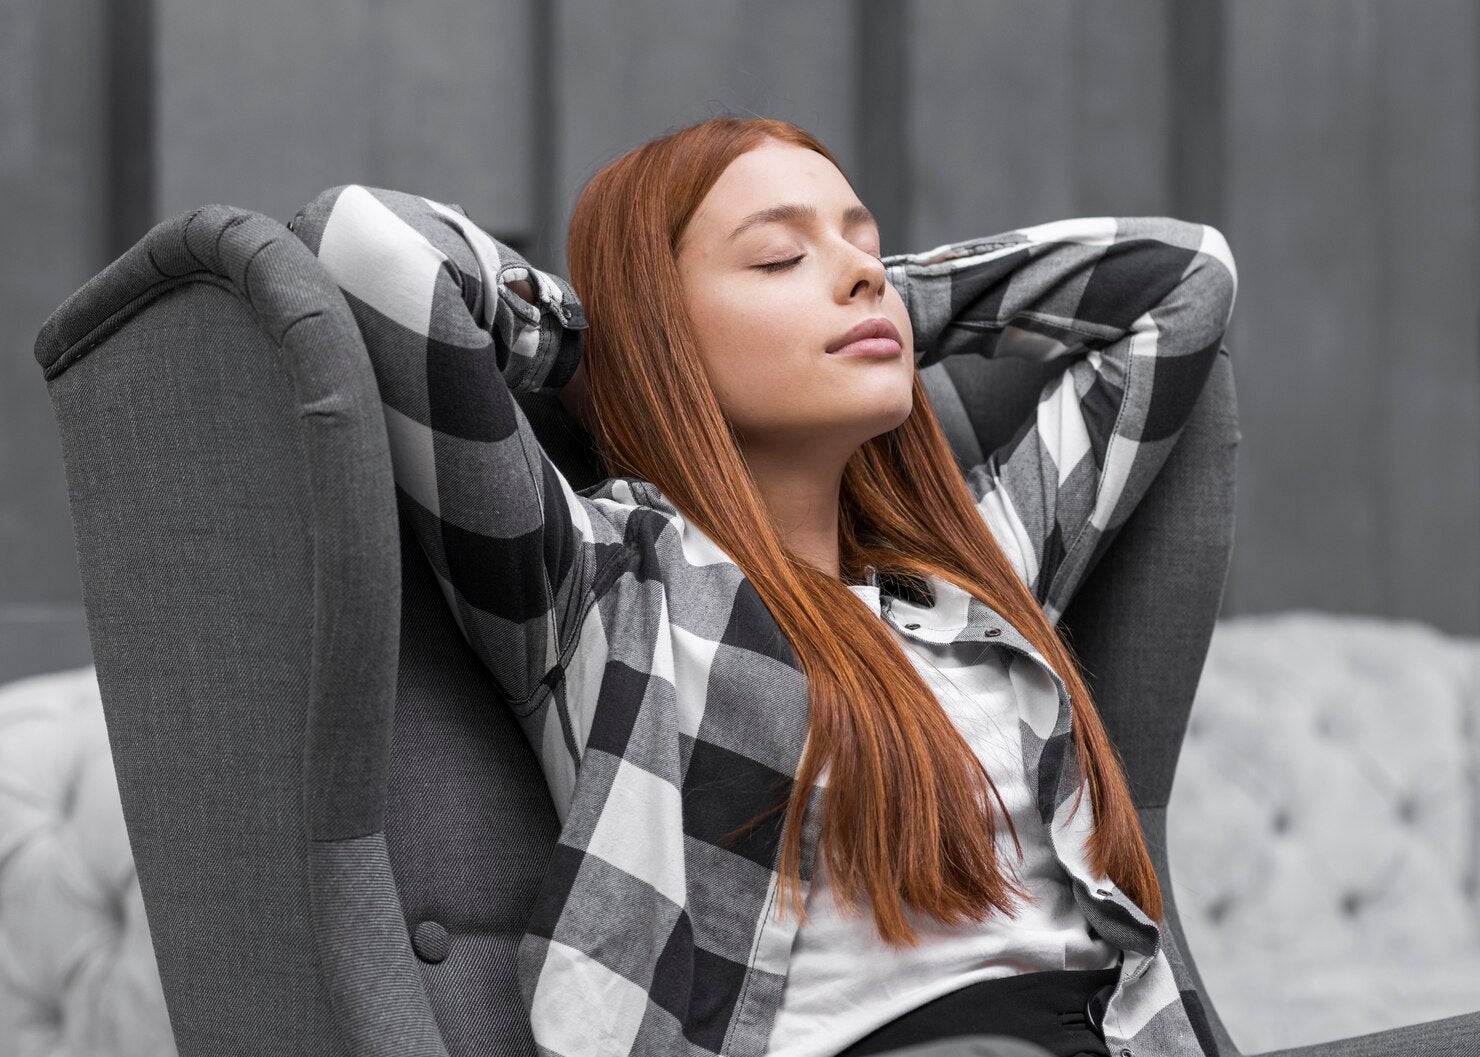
(77, 972)
(1340, 756)
(337, 829)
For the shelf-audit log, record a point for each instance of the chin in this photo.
(893, 416)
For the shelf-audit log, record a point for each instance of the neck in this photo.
(802, 493)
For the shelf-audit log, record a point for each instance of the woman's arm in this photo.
(517, 552)
(1141, 304)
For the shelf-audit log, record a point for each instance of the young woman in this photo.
(829, 780)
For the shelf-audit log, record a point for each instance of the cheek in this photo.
(754, 354)
(750, 340)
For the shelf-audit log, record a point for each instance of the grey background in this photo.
(1336, 143)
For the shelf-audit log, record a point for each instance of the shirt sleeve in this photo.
(1141, 305)
(517, 552)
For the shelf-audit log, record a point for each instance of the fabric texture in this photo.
(234, 514)
(662, 702)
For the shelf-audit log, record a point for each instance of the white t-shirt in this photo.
(843, 980)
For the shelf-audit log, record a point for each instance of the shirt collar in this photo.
(940, 618)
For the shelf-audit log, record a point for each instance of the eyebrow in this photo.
(793, 212)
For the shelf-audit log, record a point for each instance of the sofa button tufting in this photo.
(430, 941)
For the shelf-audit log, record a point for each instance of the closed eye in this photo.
(776, 266)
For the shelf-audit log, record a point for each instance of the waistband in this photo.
(1059, 1009)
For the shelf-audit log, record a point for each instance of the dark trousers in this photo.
(1058, 1009)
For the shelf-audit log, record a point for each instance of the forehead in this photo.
(767, 176)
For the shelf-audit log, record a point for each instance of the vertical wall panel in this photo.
(53, 173)
(1197, 105)
(881, 111)
(261, 105)
(1351, 201)
(264, 106)
(1121, 107)
(130, 113)
(629, 72)
(1026, 111)
(449, 105)
(991, 130)
(1428, 351)
(1303, 148)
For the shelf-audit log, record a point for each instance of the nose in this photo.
(864, 274)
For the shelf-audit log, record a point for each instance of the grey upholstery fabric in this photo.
(236, 535)
(470, 822)
(1150, 607)
(338, 838)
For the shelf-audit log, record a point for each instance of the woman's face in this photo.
(764, 332)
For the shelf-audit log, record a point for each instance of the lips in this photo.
(878, 327)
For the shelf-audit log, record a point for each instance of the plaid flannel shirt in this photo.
(655, 687)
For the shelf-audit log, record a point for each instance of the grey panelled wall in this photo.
(53, 163)
(1032, 110)
(1335, 142)
(626, 72)
(1352, 197)
(263, 105)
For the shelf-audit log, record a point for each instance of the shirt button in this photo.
(992, 633)
(911, 627)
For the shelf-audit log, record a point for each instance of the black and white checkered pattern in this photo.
(664, 703)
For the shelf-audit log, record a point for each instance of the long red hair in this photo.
(907, 819)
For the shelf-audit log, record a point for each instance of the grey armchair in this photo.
(338, 832)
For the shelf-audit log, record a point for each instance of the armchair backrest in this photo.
(338, 828)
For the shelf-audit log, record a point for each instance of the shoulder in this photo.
(677, 547)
